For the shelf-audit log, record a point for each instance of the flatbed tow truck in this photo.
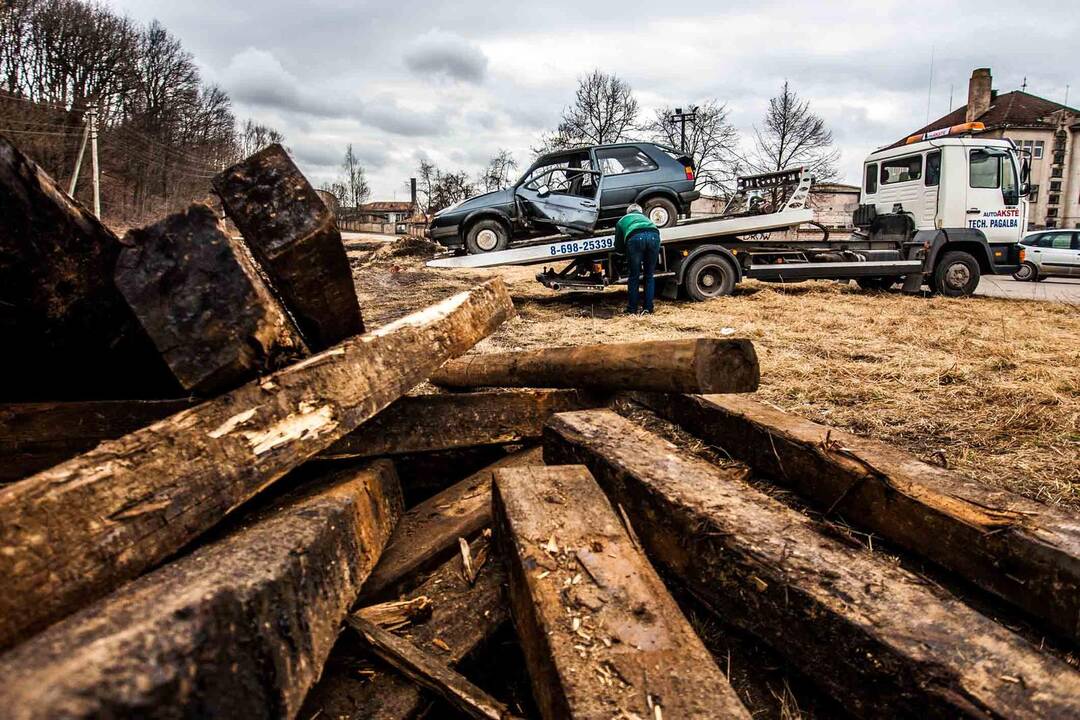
(915, 224)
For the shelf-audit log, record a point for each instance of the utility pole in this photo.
(78, 160)
(682, 118)
(92, 112)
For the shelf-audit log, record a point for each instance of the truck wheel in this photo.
(486, 236)
(1026, 273)
(709, 276)
(661, 211)
(956, 275)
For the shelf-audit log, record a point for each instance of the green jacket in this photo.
(627, 226)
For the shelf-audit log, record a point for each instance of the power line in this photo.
(194, 159)
(41, 133)
(66, 108)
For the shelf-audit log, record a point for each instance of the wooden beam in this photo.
(601, 635)
(68, 334)
(428, 533)
(296, 239)
(463, 617)
(36, 436)
(1022, 551)
(692, 365)
(879, 638)
(76, 531)
(238, 628)
(199, 296)
(426, 423)
(429, 672)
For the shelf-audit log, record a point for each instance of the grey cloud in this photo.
(442, 53)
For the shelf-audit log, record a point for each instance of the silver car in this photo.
(1050, 253)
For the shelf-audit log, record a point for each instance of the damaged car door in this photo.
(566, 197)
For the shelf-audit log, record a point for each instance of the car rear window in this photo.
(622, 160)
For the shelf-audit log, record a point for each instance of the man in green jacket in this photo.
(637, 237)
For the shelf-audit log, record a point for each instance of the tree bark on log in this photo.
(878, 637)
(67, 331)
(601, 635)
(36, 436)
(239, 628)
(199, 296)
(74, 532)
(429, 672)
(296, 239)
(1022, 551)
(428, 533)
(463, 617)
(427, 423)
(692, 365)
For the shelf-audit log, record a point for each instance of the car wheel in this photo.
(661, 211)
(956, 275)
(876, 283)
(1026, 273)
(709, 276)
(486, 236)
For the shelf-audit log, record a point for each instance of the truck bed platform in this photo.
(570, 248)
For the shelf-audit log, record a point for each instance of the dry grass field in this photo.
(986, 386)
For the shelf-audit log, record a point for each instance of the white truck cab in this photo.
(949, 190)
(954, 182)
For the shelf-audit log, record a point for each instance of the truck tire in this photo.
(1026, 273)
(486, 236)
(957, 274)
(709, 276)
(661, 211)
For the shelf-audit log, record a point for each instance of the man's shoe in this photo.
(646, 312)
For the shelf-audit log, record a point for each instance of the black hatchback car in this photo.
(573, 192)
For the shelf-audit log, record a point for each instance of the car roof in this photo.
(586, 148)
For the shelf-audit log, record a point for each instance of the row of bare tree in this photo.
(605, 111)
(163, 131)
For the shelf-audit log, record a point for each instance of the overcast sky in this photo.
(456, 81)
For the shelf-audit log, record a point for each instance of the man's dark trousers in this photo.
(643, 248)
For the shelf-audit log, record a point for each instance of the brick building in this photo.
(1049, 130)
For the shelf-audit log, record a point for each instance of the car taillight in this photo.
(689, 172)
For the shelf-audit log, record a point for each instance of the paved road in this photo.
(1055, 289)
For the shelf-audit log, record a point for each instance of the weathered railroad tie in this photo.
(73, 533)
(877, 637)
(198, 294)
(694, 365)
(239, 628)
(1025, 552)
(601, 635)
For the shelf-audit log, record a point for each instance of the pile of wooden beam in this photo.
(219, 515)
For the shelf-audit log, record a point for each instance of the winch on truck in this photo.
(940, 209)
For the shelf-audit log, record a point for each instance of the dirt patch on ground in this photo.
(990, 387)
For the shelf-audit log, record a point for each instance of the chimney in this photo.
(412, 189)
(978, 94)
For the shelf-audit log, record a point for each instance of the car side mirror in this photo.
(544, 191)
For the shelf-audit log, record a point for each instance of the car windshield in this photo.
(555, 162)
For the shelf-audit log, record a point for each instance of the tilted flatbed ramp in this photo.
(570, 248)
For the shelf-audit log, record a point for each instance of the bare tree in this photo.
(496, 175)
(450, 188)
(604, 111)
(426, 177)
(253, 137)
(354, 179)
(792, 135)
(711, 141)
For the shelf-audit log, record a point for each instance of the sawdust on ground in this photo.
(989, 387)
